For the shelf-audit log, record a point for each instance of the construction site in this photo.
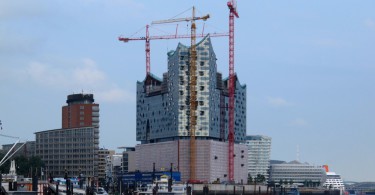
(191, 117)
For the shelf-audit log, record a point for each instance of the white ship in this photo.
(334, 182)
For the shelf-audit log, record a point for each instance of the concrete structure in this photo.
(163, 112)
(81, 111)
(75, 150)
(259, 153)
(28, 150)
(212, 159)
(102, 155)
(296, 172)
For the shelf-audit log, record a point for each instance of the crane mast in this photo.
(193, 99)
(231, 85)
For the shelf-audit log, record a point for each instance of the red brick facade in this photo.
(79, 113)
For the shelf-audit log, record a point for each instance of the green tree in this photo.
(260, 178)
(249, 179)
(24, 166)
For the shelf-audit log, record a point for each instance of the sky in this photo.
(308, 66)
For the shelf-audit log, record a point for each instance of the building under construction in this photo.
(164, 117)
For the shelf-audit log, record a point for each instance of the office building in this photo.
(74, 147)
(74, 150)
(298, 173)
(259, 153)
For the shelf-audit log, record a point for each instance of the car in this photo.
(100, 190)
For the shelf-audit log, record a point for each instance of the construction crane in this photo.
(232, 5)
(192, 88)
(148, 38)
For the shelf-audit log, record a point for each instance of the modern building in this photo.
(259, 153)
(297, 173)
(163, 116)
(81, 111)
(27, 150)
(74, 150)
(75, 147)
(128, 163)
(102, 155)
(163, 104)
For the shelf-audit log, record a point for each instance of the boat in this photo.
(334, 182)
(160, 187)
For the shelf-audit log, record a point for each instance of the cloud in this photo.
(370, 24)
(277, 101)
(88, 73)
(84, 75)
(299, 122)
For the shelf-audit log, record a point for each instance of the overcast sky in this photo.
(309, 67)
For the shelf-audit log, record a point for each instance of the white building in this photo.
(259, 152)
(295, 172)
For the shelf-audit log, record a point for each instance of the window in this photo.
(201, 73)
(201, 88)
(202, 63)
(201, 113)
(201, 103)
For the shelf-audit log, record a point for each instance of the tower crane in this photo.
(192, 87)
(148, 38)
(232, 5)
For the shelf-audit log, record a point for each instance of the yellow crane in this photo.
(193, 84)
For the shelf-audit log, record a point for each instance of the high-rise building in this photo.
(75, 147)
(163, 118)
(163, 109)
(81, 111)
(259, 153)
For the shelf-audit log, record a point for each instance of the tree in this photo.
(249, 179)
(24, 166)
(5, 167)
(260, 178)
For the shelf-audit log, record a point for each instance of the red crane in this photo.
(147, 38)
(232, 5)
